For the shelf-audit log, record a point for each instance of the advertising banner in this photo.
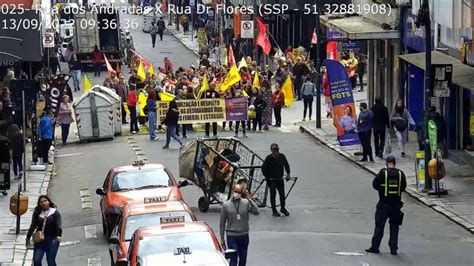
(344, 113)
(207, 110)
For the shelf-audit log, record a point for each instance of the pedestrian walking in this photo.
(327, 95)
(151, 109)
(161, 27)
(380, 124)
(364, 130)
(97, 60)
(234, 223)
(238, 93)
(400, 120)
(17, 148)
(45, 129)
(361, 67)
(153, 31)
(122, 90)
(171, 122)
(54, 65)
(211, 93)
(278, 100)
(307, 91)
(132, 100)
(260, 105)
(299, 71)
(184, 20)
(46, 230)
(273, 169)
(390, 182)
(65, 118)
(266, 92)
(75, 69)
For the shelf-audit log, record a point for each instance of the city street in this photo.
(332, 206)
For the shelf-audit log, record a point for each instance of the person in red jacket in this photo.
(278, 99)
(97, 60)
(327, 94)
(132, 100)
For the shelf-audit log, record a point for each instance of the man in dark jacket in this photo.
(364, 129)
(390, 182)
(211, 94)
(273, 168)
(380, 124)
(300, 70)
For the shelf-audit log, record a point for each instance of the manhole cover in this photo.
(348, 253)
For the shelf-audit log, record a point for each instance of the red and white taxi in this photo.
(176, 244)
(137, 216)
(135, 184)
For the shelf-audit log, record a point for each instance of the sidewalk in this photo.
(458, 205)
(185, 39)
(12, 247)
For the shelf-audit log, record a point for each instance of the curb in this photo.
(180, 40)
(410, 191)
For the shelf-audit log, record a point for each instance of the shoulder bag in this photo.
(38, 236)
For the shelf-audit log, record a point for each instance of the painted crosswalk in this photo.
(86, 199)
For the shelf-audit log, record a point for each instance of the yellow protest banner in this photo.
(232, 77)
(196, 111)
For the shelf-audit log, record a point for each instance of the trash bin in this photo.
(118, 106)
(95, 116)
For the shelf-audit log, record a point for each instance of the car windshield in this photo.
(136, 221)
(141, 179)
(168, 244)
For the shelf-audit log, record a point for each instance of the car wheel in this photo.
(203, 204)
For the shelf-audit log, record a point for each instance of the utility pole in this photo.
(424, 20)
(318, 66)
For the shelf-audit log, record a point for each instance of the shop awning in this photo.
(358, 28)
(463, 75)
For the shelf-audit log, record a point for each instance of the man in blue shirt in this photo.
(45, 130)
(364, 129)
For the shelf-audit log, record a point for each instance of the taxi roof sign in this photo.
(182, 250)
(138, 163)
(151, 200)
(171, 219)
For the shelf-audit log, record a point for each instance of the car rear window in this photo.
(195, 241)
(141, 179)
(136, 221)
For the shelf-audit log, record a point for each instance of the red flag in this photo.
(231, 59)
(109, 67)
(314, 38)
(262, 38)
(164, 6)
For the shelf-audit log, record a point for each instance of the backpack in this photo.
(401, 124)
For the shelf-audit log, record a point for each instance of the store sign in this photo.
(442, 78)
(246, 29)
(333, 35)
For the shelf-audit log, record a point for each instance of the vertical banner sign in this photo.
(236, 109)
(433, 137)
(420, 168)
(442, 78)
(57, 85)
(343, 103)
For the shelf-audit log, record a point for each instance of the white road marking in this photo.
(284, 129)
(69, 243)
(348, 253)
(307, 211)
(363, 263)
(68, 155)
(95, 261)
(90, 231)
(86, 199)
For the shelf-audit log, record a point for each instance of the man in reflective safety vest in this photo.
(390, 182)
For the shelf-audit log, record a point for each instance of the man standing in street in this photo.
(234, 222)
(161, 28)
(380, 124)
(299, 70)
(153, 32)
(364, 129)
(211, 93)
(272, 169)
(390, 182)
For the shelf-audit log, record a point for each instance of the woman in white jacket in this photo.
(400, 120)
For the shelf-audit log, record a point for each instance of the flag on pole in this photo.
(204, 86)
(231, 56)
(256, 81)
(151, 70)
(262, 38)
(109, 67)
(87, 84)
(141, 72)
(287, 90)
(166, 96)
(232, 77)
(314, 38)
(242, 64)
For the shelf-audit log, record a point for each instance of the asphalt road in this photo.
(332, 206)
